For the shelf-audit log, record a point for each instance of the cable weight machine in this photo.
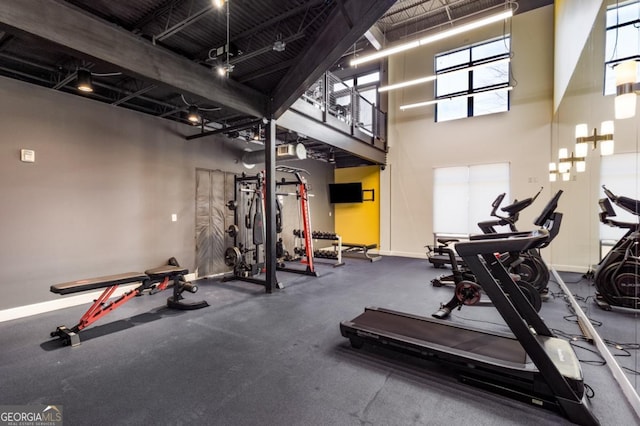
(247, 256)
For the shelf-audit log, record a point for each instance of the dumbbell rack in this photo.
(336, 251)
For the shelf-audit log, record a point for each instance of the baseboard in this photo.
(54, 305)
(571, 268)
(402, 254)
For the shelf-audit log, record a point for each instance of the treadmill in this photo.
(531, 364)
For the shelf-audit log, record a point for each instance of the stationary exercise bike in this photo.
(468, 292)
(529, 266)
(617, 277)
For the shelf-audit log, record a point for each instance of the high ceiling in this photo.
(160, 56)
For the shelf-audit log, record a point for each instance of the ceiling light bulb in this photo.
(218, 3)
(84, 83)
(193, 116)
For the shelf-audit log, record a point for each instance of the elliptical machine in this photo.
(617, 277)
(467, 291)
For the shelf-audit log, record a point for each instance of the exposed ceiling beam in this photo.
(66, 80)
(345, 14)
(264, 49)
(265, 71)
(326, 48)
(375, 37)
(183, 24)
(266, 24)
(280, 17)
(160, 11)
(234, 128)
(99, 40)
(134, 94)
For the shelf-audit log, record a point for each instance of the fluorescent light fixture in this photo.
(407, 83)
(433, 38)
(385, 53)
(418, 105)
(434, 77)
(437, 101)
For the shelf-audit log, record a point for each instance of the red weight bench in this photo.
(156, 280)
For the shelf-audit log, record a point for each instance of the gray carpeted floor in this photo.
(258, 359)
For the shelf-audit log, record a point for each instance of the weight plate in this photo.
(233, 231)
(232, 256)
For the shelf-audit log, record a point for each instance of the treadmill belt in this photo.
(501, 348)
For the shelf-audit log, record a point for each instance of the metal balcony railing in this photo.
(340, 105)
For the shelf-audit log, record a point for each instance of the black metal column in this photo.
(270, 210)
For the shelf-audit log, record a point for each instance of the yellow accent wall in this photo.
(359, 222)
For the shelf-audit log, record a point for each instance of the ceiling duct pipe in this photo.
(283, 152)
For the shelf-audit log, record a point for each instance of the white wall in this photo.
(521, 136)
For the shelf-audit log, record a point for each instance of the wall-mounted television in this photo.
(345, 192)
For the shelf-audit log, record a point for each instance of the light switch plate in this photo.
(28, 155)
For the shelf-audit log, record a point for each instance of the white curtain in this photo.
(462, 196)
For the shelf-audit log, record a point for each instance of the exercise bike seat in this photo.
(446, 241)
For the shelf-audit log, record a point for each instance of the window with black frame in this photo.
(622, 40)
(474, 80)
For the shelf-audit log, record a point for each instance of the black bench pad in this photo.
(364, 246)
(99, 282)
(354, 245)
(166, 271)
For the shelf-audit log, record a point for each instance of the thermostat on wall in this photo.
(28, 155)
